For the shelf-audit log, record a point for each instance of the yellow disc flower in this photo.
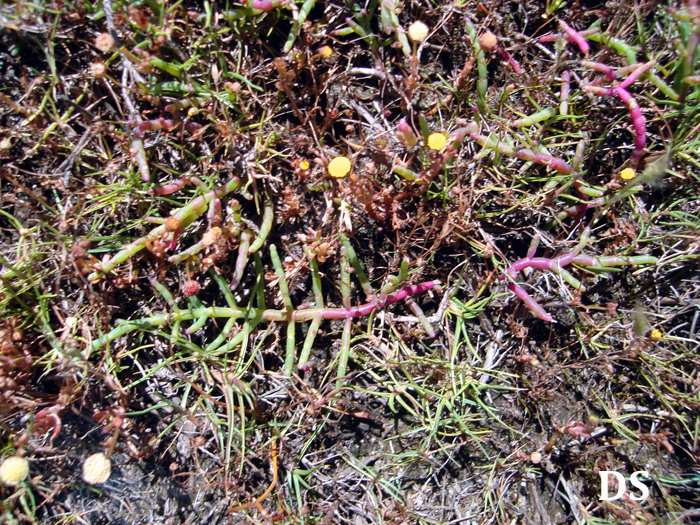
(326, 52)
(655, 334)
(627, 174)
(417, 32)
(437, 141)
(339, 167)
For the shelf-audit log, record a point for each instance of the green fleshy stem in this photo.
(184, 215)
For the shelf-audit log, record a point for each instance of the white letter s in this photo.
(641, 486)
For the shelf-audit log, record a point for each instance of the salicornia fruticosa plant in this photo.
(257, 312)
(502, 139)
(164, 237)
(556, 265)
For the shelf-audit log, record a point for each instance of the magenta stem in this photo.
(533, 305)
(366, 309)
(575, 36)
(265, 5)
(505, 55)
(636, 74)
(600, 67)
(638, 123)
(553, 37)
(541, 263)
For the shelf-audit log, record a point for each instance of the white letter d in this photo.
(604, 479)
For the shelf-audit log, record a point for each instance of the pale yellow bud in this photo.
(104, 42)
(14, 470)
(97, 469)
(417, 32)
(97, 70)
(212, 236)
(488, 41)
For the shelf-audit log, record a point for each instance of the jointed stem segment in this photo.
(181, 218)
(556, 265)
(252, 316)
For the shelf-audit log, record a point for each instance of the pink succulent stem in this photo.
(564, 95)
(586, 260)
(174, 186)
(176, 236)
(553, 37)
(159, 123)
(366, 309)
(241, 260)
(139, 153)
(638, 123)
(636, 74)
(530, 302)
(265, 5)
(459, 134)
(600, 67)
(521, 153)
(532, 250)
(575, 36)
(553, 162)
(214, 213)
(505, 55)
(624, 71)
(541, 263)
(406, 134)
(598, 90)
(192, 126)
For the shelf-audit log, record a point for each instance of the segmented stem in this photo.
(359, 272)
(289, 308)
(316, 321)
(184, 216)
(265, 227)
(556, 265)
(242, 259)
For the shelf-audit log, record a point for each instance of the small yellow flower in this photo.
(627, 174)
(655, 334)
(437, 141)
(304, 165)
(325, 52)
(14, 470)
(339, 167)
